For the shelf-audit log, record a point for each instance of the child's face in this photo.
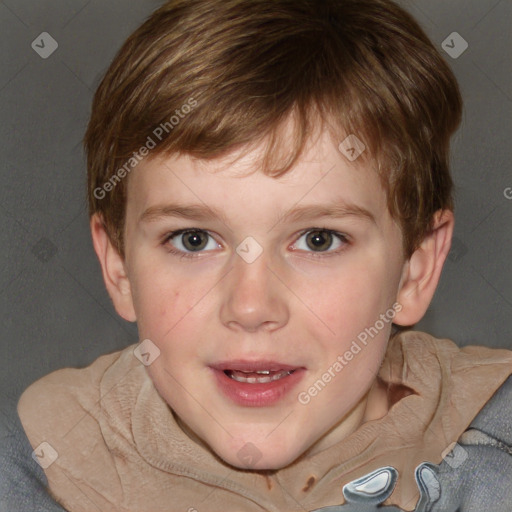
(210, 308)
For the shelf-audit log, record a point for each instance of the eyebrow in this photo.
(200, 212)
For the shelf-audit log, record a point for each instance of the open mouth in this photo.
(257, 377)
(256, 383)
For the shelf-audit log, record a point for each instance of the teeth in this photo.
(240, 377)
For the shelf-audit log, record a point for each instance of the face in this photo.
(259, 292)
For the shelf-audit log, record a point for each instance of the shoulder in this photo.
(484, 454)
(495, 418)
(22, 481)
(63, 417)
(52, 406)
(477, 473)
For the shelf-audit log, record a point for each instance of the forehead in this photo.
(235, 182)
(233, 190)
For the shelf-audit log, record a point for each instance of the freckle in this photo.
(311, 481)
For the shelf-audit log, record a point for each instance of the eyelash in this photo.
(312, 254)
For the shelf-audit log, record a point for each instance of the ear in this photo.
(113, 270)
(421, 273)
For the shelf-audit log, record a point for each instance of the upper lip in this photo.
(247, 366)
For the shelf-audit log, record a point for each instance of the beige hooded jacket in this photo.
(115, 445)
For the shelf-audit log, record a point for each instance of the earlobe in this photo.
(421, 273)
(113, 270)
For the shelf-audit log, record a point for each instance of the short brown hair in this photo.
(365, 66)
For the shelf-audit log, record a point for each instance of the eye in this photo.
(186, 241)
(321, 240)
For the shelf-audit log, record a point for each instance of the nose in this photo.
(254, 298)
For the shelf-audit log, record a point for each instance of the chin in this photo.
(257, 456)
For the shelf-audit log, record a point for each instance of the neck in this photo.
(372, 406)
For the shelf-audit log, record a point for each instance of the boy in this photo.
(270, 201)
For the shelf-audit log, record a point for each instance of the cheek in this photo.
(162, 304)
(351, 297)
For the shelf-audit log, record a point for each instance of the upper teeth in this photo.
(260, 372)
(238, 376)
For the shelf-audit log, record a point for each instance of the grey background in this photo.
(55, 311)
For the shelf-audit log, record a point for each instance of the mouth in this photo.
(256, 383)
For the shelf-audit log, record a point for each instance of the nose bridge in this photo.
(253, 296)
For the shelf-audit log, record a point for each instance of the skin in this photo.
(293, 304)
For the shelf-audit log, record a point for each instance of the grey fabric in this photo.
(482, 483)
(22, 481)
(495, 418)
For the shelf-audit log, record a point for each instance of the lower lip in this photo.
(257, 394)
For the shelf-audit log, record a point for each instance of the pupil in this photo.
(321, 240)
(194, 241)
